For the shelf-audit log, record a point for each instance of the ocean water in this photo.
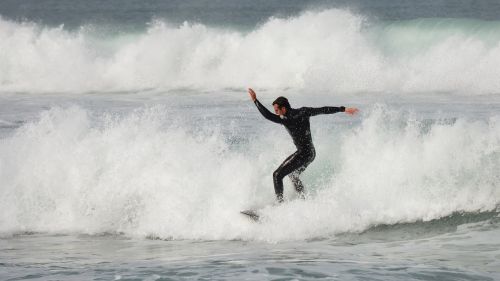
(128, 143)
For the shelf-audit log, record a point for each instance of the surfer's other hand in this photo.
(351, 110)
(252, 94)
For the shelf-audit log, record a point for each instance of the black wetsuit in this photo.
(296, 121)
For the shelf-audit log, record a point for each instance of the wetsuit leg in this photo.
(294, 176)
(294, 162)
(297, 183)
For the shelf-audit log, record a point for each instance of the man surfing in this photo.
(296, 122)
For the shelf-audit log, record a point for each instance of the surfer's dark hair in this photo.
(282, 101)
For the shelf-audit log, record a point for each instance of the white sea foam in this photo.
(332, 50)
(143, 175)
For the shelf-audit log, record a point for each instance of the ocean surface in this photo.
(128, 143)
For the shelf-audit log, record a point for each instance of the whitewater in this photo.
(336, 51)
(128, 147)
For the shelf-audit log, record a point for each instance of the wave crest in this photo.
(331, 50)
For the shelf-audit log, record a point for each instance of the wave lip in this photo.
(331, 50)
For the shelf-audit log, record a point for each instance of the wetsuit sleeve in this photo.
(312, 111)
(267, 114)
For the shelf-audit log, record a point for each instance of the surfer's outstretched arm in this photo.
(262, 109)
(311, 111)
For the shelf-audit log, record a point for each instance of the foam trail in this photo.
(143, 175)
(331, 50)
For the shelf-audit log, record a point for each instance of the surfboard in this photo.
(253, 215)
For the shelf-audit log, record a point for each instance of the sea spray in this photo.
(144, 174)
(334, 50)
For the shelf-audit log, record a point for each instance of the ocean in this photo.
(129, 144)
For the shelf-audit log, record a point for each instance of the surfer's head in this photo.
(281, 105)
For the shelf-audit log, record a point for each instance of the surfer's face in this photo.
(279, 110)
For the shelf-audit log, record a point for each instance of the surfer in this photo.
(296, 121)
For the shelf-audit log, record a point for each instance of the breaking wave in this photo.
(331, 50)
(142, 174)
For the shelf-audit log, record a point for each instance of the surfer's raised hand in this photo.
(351, 110)
(252, 94)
